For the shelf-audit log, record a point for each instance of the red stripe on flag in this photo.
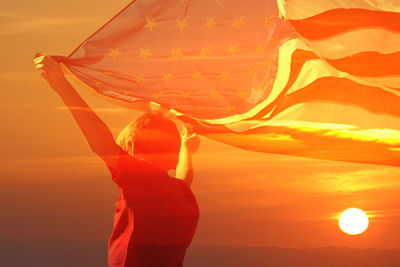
(299, 58)
(369, 64)
(343, 91)
(337, 21)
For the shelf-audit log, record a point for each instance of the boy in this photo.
(156, 215)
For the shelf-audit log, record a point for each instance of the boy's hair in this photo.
(151, 133)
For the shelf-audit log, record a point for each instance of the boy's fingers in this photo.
(194, 136)
(45, 60)
(39, 54)
(189, 130)
(38, 59)
(183, 129)
(39, 66)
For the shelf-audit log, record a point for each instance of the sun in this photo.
(353, 221)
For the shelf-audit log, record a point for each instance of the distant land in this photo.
(67, 253)
(287, 257)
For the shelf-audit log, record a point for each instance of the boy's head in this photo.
(152, 137)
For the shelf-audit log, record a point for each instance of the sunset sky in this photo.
(53, 186)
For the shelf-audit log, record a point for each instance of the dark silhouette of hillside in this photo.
(67, 253)
(287, 257)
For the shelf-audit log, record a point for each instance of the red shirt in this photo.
(155, 217)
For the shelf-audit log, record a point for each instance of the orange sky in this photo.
(53, 186)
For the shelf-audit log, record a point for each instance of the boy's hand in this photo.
(50, 68)
(190, 140)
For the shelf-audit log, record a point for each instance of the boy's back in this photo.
(155, 218)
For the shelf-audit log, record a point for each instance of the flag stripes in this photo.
(370, 39)
(337, 21)
(371, 64)
(345, 91)
(319, 83)
(302, 9)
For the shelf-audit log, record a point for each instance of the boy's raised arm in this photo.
(95, 130)
(189, 145)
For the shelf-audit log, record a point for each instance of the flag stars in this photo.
(268, 21)
(242, 95)
(151, 24)
(139, 79)
(196, 76)
(214, 95)
(252, 73)
(260, 49)
(185, 95)
(156, 95)
(176, 53)
(167, 77)
(125, 92)
(267, 63)
(114, 53)
(261, 85)
(181, 24)
(238, 22)
(233, 49)
(274, 40)
(210, 23)
(229, 109)
(144, 53)
(205, 51)
(224, 75)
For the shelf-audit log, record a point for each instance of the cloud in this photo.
(353, 181)
(17, 105)
(4, 17)
(30, 76)
(97, 110)
(14, 24)
(282, 187)
(17, 169)
(388, 213)
(46, 161)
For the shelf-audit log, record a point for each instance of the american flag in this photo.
(308, 78)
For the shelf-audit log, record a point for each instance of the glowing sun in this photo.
(353, 221)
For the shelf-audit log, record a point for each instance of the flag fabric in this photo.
(309, 78)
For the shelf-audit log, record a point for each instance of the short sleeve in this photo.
(133, 176)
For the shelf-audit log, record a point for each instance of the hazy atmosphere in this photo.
(57, 197)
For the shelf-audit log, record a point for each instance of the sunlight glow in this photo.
(353, 221)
